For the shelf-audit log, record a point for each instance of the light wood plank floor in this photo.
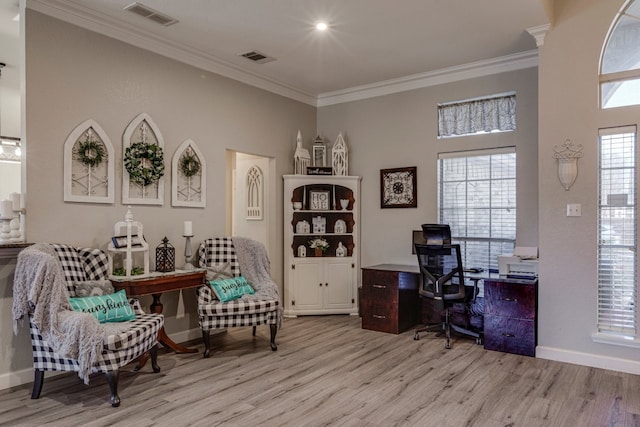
(327, 371)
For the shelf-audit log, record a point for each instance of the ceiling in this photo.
(369, 43)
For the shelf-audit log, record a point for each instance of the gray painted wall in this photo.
(73, 75)
(569, 108)
(401, 130)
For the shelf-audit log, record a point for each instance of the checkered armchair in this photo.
(262, 309)
(140, 338)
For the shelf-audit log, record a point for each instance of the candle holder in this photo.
(187, 253)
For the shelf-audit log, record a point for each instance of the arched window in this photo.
(254, 193)
(620, 65)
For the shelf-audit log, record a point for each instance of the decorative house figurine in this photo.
(303, 227)
(319, 152)
(340, 227)
(129, 245)
(340, 157)
(165, 257)
(341, 251)
(301, 157)
(302, 251)
(319, 225)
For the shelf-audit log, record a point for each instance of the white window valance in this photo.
(497, 113)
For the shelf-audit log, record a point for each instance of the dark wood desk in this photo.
(155, 285)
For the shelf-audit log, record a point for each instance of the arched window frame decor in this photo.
(620, 60)
(255, 193)
(134, 194)
(188, 191)
(85, 183)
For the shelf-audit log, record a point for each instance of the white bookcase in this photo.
(325, 207)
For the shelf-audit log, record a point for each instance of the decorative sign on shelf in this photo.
(316, 170)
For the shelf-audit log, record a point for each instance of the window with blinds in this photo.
(617, 231)
(477, 198)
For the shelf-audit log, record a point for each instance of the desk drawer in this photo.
(509, 300)
(379, 286)
(380, 317)
(509, 335)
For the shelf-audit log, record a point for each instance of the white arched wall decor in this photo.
(188, 188)
(89, 165)
(141, 129)
(255, 193)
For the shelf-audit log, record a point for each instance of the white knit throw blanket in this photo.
(39, 290)
(255, 267)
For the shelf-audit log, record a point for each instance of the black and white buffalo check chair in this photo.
(229, 257)
(44, 268)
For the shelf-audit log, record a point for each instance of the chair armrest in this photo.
(206, 295)
(137, 307)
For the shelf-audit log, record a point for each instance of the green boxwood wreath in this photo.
(144, 162)
(90, 152)
(189, 164)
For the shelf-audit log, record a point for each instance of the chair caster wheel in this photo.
(416, 337)
(479, 341)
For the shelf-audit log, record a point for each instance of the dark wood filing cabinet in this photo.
(389, 298)
(510, 316)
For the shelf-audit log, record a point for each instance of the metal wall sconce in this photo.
(567, 155)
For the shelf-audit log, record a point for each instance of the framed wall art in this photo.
(143, 165)
(189, 176)
(398, 188)
(89, 165)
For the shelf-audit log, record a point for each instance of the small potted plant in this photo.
(319, 244)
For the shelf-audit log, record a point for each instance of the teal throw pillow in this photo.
(106, 308)
(230, 289)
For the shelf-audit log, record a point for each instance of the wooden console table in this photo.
(155, 285)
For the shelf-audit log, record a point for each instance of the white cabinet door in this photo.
(338, 281)
(307, 286)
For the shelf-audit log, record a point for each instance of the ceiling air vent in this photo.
(153, 15)
(258, 57)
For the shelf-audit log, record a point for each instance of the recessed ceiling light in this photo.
(321, 26)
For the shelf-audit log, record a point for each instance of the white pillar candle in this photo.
(6, 209)
(15, 200)
(188, 228)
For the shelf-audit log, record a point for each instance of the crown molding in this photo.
(539, 33)
(518, 61)
(84, 17)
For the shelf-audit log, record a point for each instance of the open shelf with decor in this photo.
(322, 242)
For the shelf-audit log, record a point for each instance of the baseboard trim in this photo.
(587, 359)
(25, 376)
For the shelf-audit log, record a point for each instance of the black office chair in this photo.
(442, 275)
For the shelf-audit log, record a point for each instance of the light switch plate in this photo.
(574, 209)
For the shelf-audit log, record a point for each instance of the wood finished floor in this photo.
(328, 371)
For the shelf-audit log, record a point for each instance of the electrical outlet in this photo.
(574, 209)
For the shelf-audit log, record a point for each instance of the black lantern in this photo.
(165, 257)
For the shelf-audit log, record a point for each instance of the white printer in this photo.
(524, 261)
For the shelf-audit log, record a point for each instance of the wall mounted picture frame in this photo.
(398, 188)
